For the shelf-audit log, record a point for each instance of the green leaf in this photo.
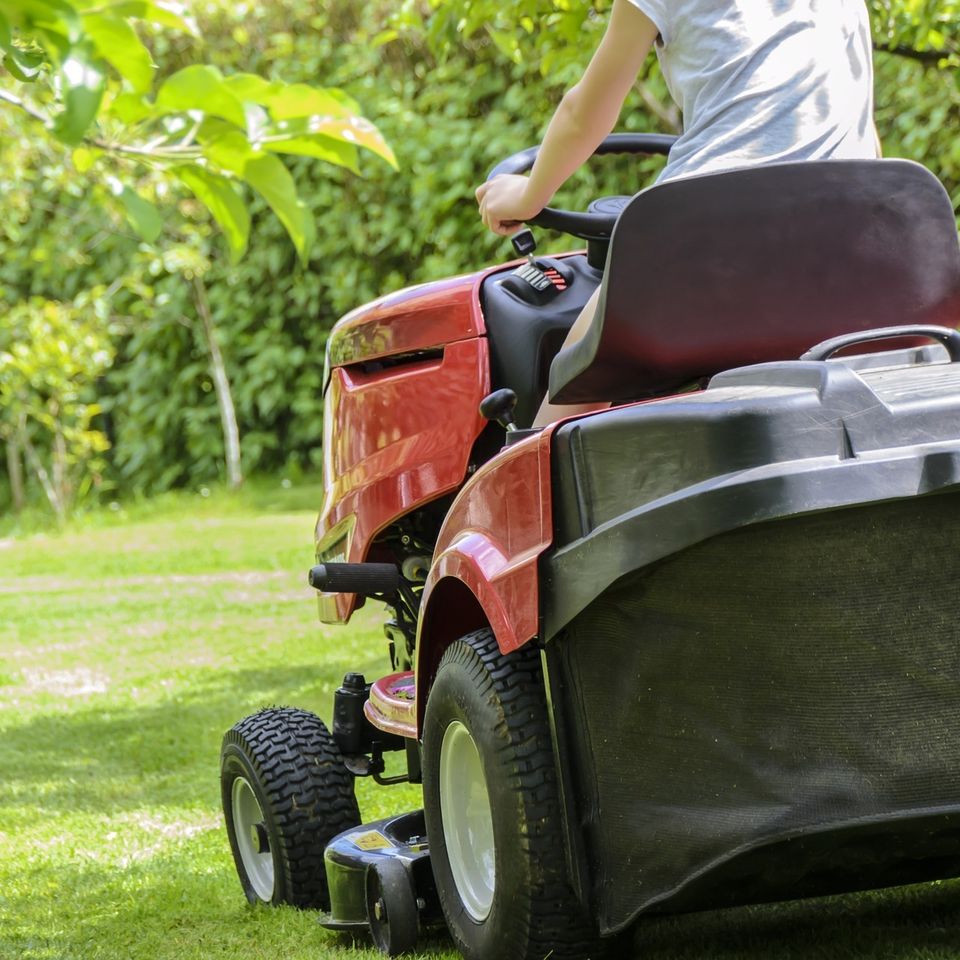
(355, 131)
(225, 147)
(506, 44)
(384, 37)
(320, 147)
(24, 65)
(201, 88)
(271, 179)
(248, 86)
(301, 100)
(142, 214)
(83, 84)
(310, 121)
(84, 158)
(165, 13)
(53, 24)
(130, 108)
(295, 137)
(218, 195)
(56, 14)
(303, 113)
(6, 40)
(345, 101)
(117, 42)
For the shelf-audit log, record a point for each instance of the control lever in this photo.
(499, 406)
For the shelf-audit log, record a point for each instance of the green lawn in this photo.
(128, 645)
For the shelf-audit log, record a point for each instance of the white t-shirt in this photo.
(766, 81)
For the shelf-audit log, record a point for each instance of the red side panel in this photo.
(393, 440)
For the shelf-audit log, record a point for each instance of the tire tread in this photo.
(551, 922)
(308, 790)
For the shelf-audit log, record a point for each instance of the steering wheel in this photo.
(599, 221)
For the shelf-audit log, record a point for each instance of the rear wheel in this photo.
(492, 809)
(286, 794)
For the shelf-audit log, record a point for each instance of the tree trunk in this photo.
(36, 464)
(15, 473)
(221, 383)
(61, 471)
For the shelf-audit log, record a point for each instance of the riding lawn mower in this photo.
(695, 650)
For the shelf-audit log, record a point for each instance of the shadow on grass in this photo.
(177, 906)
(107, 758)
(179, 913)
(186, 902)
(906, 923)
(173, 907)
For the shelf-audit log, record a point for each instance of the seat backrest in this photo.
(747, 266)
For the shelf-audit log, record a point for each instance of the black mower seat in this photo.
(720, 271)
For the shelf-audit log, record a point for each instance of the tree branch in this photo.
(26, 108)
(181, 151)
(928, 57)
(221, 383)
(15, 473)
(33, 458)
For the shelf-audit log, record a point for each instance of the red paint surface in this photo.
(491, 542)
(493, 535)
(400, 437)
(417, 318)
(392, 441)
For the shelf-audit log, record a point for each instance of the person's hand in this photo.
(504, 204)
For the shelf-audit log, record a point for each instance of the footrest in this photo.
(392, 705)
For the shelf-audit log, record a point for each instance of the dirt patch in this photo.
(46, 584)
(81, 682)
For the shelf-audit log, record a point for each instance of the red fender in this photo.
(486, 559)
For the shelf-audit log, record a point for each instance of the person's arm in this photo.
(586, 114)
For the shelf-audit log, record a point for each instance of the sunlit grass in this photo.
(129, 644)
(126, 649)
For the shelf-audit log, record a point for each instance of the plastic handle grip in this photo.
(949, 338)
(366, 579)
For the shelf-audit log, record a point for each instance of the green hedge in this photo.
(448, 117)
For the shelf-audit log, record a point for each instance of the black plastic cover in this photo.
(349, 854)
(636, 484)
(525, 334)
(365, 579)
(752, 638)
(771, 714)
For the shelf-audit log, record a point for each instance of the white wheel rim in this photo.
(467, 821)
(249, 827)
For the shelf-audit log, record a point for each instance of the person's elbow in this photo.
(583, 116)
(575, 110)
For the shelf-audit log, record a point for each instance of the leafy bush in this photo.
(454, 87)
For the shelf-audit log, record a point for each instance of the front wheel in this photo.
(492, 809)
(286, 794)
